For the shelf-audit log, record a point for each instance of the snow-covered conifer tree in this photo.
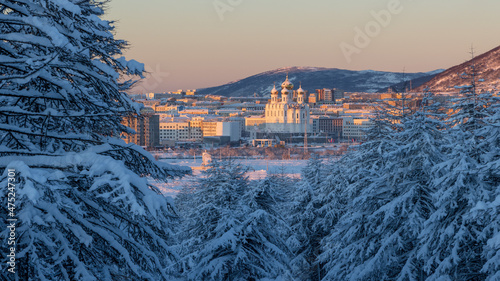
(454, 238)
(377, 238)
(83, 210)
(363, 162)
(227, 228)
(267, 227)
(451, 245)
(489, 211)
(331, 201)
(305, 239)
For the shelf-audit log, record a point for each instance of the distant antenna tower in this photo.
(403, 93)
(473, 68)
(404, 80)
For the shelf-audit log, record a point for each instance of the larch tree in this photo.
(226, 228)
(331, 202)
(454, 237)
(385, 197)
(84, 209)
(305, 238)
(489, 211)
(266, 229)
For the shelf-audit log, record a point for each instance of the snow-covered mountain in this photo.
(316, 78)
(487, 66)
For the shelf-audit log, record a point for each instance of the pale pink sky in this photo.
(193, 44)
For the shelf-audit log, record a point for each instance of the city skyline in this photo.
(201, 44)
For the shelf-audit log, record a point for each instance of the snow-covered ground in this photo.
(259, 169)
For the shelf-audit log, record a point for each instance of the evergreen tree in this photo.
(84, 212)
(226, 228)
(363, 162)
(331, 197)
(266, 226)
(487, 212)
(451, 246)
(305, 239)
(331, 201)
(454, 238)
(469, 108)
(376, 239)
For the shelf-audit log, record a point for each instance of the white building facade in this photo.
(283, 115)
(229, 129)
(175, 130)
(353, 128)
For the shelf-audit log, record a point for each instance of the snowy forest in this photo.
(419, 200)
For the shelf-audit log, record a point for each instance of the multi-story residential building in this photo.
(169, 109)
(150, 103)
(156, 96)
(313, 98)
(208, 104)
(359, 106)
(196, 125)
(226, 131)
(328, 125)
(178, 92)
(196, 129)
(247, 106)
(251, 121)
(174, 130)
(355, 128)
(320, 95)
(240, 120)
(197, 111)
(329, 95)
(146, 126)
(338, 95)
(412, 101)
(258, 100)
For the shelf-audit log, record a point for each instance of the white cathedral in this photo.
(283, 115)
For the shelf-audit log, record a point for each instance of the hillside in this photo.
(488, 68)
(314, 78)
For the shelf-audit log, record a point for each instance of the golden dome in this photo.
(300, 90)
(287, 84)
(274, 91)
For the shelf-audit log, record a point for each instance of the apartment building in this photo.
(196, 125)
(353, 128)
(174, 130)
(146, 127)
(229, 131)
(327, 125)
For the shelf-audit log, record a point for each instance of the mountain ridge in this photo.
(486, 64)
(314, 78)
